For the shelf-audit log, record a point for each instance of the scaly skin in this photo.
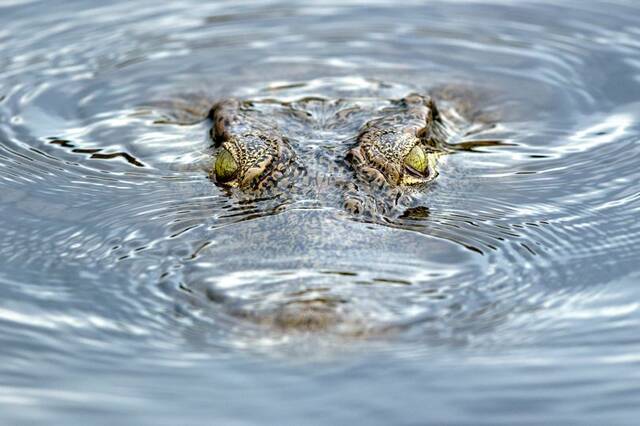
(385, 142)
(371, 176)
(262, 153)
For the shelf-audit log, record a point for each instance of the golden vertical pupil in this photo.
(417, 159)
(225, 167)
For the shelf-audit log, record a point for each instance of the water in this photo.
(520, 285)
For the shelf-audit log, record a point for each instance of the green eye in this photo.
(416, 159)
(225, 167)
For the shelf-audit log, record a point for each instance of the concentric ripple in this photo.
(508, 287)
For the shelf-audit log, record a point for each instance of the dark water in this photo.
(521, 285)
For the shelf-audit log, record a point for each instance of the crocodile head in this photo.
(324, 165)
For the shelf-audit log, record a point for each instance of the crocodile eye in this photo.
(416, 160)
(226, 166)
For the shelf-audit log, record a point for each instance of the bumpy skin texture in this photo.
(260, 152)
(384, 143)
(376, 165)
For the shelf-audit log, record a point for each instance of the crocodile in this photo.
(317, 182)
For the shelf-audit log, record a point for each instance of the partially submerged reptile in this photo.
(264, 150)
(322, 198)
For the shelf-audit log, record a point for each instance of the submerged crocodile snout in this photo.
(297, 312)
(308, 271)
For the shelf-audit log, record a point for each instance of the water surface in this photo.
(518, 289)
